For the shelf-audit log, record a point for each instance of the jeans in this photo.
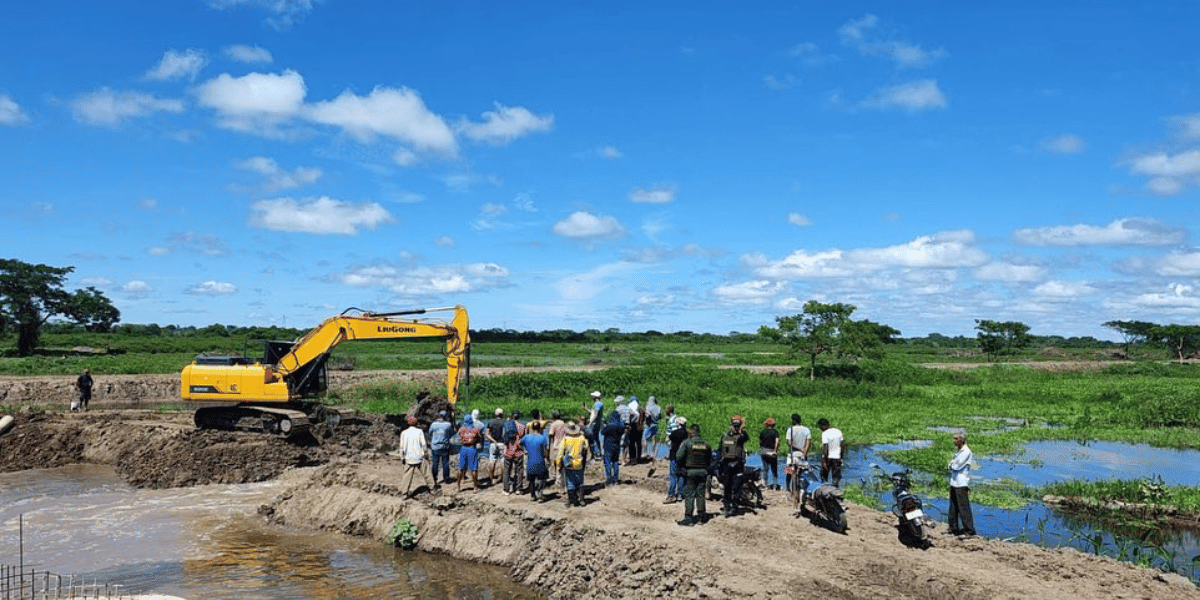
(770, 463)
(441, 457)
(612, 466)
(675, 487)
(514, 473)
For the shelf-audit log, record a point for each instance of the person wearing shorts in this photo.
(468, 454)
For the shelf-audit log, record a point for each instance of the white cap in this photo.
(596, 394)
(681, 420)
(499, 411)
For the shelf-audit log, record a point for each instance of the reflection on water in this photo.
(207, 543)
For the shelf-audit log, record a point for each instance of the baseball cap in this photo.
(499, 411)
(596, 394)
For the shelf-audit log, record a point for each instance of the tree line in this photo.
(33, 301)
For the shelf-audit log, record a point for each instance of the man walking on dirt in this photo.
(695, 455)
(831, 453)
(412, 451)
(962, 523)
(84, 386)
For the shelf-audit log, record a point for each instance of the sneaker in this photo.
(966, 536)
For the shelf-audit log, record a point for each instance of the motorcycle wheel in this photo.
(917, 531)
(837, 515)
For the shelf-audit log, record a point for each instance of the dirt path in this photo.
(623, 544)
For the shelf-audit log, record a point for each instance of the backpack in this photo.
(510, 432)
(731, 450)
(698, 455)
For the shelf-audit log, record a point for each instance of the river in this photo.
(208, 542)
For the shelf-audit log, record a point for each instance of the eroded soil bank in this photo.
(623, 544)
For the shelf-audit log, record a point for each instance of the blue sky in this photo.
(702, 166)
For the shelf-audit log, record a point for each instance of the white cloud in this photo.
(425, 281)
(1064, 289)
(941, 250)
(1179, 298)
(254, 103)
(282, 14)
(585, 225)
(106, 107)
(1188, 126)
(178, 64)
(275, 177)
(136, 289)
(800, 264)
(505, 124)
(656, 195)
(1179, 264)
(610, 152)
(656, 300)
(212, 288)
(1121, 232)
(1169, 174)
(1010, 273)
(912, 96)
(749, 292)
(10, 112)
(784, 82)
(798, 219)
(860, 34)
(444, 241)
(589, 284)
(322, 215)
(1063, 144)
(396, 113)
(810, 54)
(249, 54)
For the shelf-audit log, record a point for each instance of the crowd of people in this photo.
(527, 456)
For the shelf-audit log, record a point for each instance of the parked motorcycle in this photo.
(908, 509)
(816, 500)
(750, 483)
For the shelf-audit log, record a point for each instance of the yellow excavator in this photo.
(276, 394)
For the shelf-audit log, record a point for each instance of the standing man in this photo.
(595, 422)
(536, 448)
(695, 455)
(733, 461)
(653, 416)
(412, 450)
(439, 447)
(572, 455)
(831, 452)
(768, 447)
(84, 385)
(514, 455)
(962, 523)
(494, 434)
(676, 438)
(613, 433)
(468, 454)
(555, 432)
(799, 439)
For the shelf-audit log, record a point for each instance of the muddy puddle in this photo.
(207, 542)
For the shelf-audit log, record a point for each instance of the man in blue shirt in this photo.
(537, 447)
(439, 447)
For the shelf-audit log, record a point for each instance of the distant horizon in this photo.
(672, 166)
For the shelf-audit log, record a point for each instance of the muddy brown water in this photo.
(207, 542)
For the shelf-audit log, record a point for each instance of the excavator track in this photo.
(283, 422)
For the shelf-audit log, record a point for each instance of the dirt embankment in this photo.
(623, 544)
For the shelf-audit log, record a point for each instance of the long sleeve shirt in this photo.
(960, 467)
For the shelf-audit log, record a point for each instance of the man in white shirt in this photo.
(961, 522)
(831, 453)
(412, 451)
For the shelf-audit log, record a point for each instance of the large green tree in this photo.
(1002, 337)
(828, 329)
(31, 294)
(1181, 339)
(1134, 332)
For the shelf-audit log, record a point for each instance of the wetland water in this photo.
(207, 542)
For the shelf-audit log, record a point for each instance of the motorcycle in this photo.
(816, 500)
(749, 482)
(908, 509)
